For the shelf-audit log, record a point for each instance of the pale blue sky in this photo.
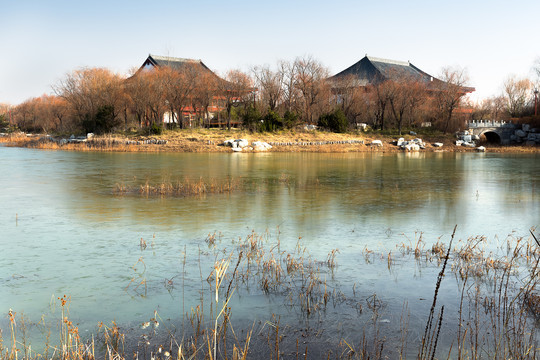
(41, 41)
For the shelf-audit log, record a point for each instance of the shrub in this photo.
(3, 123)
(250, 117)
(103, 121)
(290, 119)
(155, 129)
(335, 121)
(271, 122)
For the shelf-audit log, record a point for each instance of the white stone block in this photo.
(412, 147)
(261, 146)
(241, 143)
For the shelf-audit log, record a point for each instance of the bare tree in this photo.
(169, 80)
(136, 88)
(50, 111)
(311, 83)
(21, 114)
(404, 96)
(448, 94)
(41, 114)
(350, 97)
(380, 94)
(270, 86)
(493, 108)
(518, 95)
(234, 91)
(204, 94)
(60, 110)
(89, 89)
(179, 86)
(71, 90)
(156, 96)
(288, 73)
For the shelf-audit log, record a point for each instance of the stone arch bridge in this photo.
(499, 132)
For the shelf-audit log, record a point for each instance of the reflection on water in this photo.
(309, 194)
(63, 230)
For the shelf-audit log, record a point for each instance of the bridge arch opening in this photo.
(491, 137)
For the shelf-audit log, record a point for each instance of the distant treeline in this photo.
(290, 94)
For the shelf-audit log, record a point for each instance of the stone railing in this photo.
(487, 123)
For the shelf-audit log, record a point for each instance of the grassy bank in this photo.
(211, 140)
(496, 300)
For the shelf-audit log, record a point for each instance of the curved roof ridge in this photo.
(388, 61)
(171, 58)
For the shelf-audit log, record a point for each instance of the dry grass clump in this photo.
(495, 320)
(415, 246)
(432, 331)
(499, 301)
(187, 187)
(503, 293)
(97, 143)
(13, 137)
(70, 347)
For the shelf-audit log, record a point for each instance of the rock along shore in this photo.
(229, 141)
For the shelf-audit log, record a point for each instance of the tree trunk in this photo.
(228, 117)
(125, 119)
(448, 118)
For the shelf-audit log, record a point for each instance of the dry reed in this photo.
(497, 302)
(187, 187)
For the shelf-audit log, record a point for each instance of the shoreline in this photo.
(211, 140)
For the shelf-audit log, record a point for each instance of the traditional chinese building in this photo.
(154, 61)
(189, 111)
(371, 71)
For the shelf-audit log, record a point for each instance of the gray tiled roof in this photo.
(371, 70)
(174, 62)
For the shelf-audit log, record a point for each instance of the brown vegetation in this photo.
(191, 96)
(211, 140)
(290, 94)
(182, 188)
(497, 299)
